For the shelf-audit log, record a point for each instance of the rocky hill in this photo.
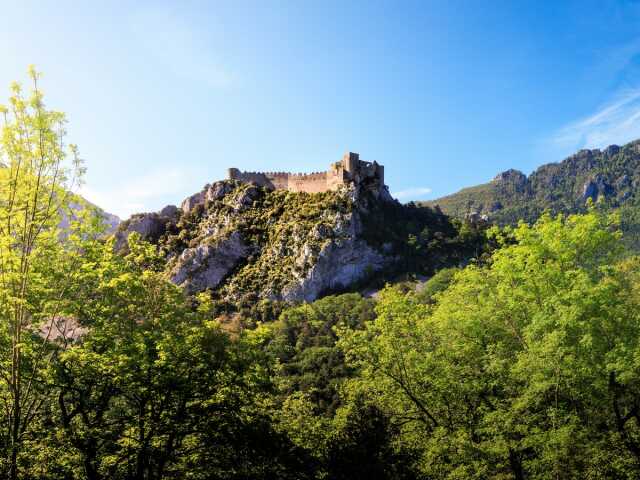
(79, 203)
(609, 177)
(245, 242)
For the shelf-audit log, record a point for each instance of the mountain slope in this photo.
(609, 177)
(247, 243)
(79, 203)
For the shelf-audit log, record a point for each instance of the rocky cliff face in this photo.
(610, 177)
(244, 240)
(246, 243)
(206, 265)
(150, 226)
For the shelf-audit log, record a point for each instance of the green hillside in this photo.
(609, 177)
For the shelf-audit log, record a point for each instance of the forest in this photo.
(522, 364)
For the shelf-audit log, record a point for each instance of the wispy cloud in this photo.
(615, 122)
(184, 49)
(411, 193)
(138, 194)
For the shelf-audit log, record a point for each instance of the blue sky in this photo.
(164, 97)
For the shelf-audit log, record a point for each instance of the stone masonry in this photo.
(348, 170)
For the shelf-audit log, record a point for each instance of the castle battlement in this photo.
(348, 170)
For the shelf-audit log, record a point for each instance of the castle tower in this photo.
(350, 162)
(379, 171)
(233, 174)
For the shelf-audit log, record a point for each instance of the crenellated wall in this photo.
(310, 183)
(348, 170)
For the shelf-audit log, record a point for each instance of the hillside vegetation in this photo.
(609, 177)
(120, 362)
(247, 244)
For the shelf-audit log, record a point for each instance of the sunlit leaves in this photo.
(527, 365)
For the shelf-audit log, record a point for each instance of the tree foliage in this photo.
(37, 171)
(525, 364)
(527, 368)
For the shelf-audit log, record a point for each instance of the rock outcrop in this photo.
(109, 220)
(596, 188)
(338, 264)
(150, 226)
(209, 193)
(277, 245)
(513, 177)
(245, 242)
(205, 266)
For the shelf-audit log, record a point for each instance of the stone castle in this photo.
(348, 170)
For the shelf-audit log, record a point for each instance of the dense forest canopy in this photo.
(523, 363)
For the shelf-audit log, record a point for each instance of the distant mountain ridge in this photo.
(78, 203)
(609, 177)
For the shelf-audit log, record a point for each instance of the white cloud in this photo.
(138, 194)
(181, 47)
(411, 193)
(613, 123)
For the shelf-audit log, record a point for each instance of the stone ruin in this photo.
(346, 171)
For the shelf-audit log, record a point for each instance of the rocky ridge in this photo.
(241, 238)
(79, 204)
(609, 177)
(245, 243)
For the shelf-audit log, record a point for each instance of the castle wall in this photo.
(350, 162)
(349, 169)
(250, 177)
(310, 183)
(279, 180)
(335, 176)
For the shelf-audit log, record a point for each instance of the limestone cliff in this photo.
(274, 244)
(246, 242)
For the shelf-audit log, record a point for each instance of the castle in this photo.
(348, 170)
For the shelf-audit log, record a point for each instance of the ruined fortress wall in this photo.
(249, 177)
(279, 180)
(349, 169)
(310, 183)
(371, 170)
(335, 177)
(294, 182)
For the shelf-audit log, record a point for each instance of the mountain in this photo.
(609, 177)
(246, 242)
(79, 203)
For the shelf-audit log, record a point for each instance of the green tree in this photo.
(304, 342)
(153, 387)
(37, 172)
(525, 368)
(361, 445)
